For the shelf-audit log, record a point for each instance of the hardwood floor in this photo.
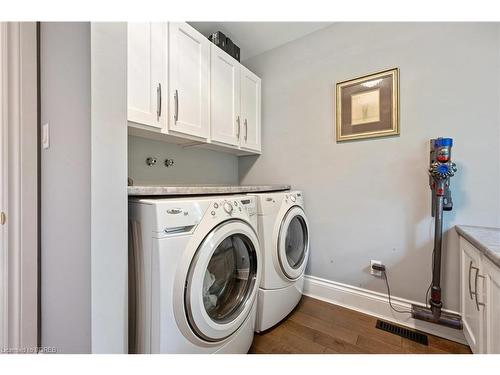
(319, 327)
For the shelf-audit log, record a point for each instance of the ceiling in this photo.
(255, 38)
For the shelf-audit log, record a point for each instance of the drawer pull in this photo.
(470, 271)
(158, 102)
(238, 131)
(176, 106)
(475, 293)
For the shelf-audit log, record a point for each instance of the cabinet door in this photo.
(492, 320)
(145, 73)
(250, 110)
(189, 80)
(472, 317)
(225, 98)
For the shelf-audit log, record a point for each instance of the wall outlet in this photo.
(375, 272)
(45, 136)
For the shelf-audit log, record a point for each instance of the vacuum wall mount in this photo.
(441, 169)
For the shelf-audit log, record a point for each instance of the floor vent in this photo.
(403, 332)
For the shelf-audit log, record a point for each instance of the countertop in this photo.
(487, 240)
(175, 190)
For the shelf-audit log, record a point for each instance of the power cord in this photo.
(427, 295)
(430, 285)
(381, 268)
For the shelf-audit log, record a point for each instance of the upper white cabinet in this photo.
(225, 98)
(184, 89)
(479, 299)
(235, 103)
(250, 110)
(146, 74)
(189, 76)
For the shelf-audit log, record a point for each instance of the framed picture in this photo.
(368, 106)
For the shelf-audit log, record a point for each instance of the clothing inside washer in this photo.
(228, 278)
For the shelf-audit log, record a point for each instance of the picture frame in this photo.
(368, 106)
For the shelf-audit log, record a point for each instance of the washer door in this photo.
(222, 281)
(293, 243)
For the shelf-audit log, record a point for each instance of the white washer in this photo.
(195, 269)
(284, 234)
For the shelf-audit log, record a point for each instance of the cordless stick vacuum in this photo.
(440, 171)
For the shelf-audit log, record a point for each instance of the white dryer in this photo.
(195, 268)
(284, 234)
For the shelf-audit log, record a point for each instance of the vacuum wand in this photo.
(441, 169)
(435, 300)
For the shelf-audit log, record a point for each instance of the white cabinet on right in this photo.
(225, 98)
(479, 299)
(235, 103)
(250, 110)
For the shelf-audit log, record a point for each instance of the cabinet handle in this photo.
(158, 101)
(176, 100)
(470, 271)
(238, 129)
(475, 293)
(246, 130)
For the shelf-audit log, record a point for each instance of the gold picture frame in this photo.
(368, 106)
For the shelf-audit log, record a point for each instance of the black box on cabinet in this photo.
(232, 49)
(219, 39)
(236, 52)
(229, 47)
(226, 44)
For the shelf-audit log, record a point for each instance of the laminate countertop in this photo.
(175, 190)
(486, 240)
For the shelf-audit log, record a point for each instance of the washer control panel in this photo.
(293, 198)
(234, 206)
(228, 207)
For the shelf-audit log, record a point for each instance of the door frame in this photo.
(3, 187)
(19, 192)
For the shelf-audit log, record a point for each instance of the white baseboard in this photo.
(376, 304)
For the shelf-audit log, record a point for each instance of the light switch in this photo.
(45, 136)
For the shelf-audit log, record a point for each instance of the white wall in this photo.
(109, 252)
(65, 187)
(370, 199)
(191, 165)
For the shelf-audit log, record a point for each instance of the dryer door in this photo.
(222, 280)
(293, 243)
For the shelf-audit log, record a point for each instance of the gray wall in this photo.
(65, 187)
(84, 197)
(192, 165)
(370, 199)
(109, 188)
